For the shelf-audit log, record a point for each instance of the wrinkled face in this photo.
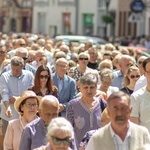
(125, 65)
(16, 70)
(62, 67)
(60, 141)
(48, 112)
(30, 107)
(119, 111)
(88, 90)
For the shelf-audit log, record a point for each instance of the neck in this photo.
(121, 131)
(131, 86)
(26, 120)
(82, 68)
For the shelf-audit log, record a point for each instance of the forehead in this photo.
(44, 72)
(61, 62)
(31, 100)
(119, 101)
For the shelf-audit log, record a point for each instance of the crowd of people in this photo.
(73, 97)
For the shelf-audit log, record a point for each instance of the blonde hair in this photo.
(126, 80)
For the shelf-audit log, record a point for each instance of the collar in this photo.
(113, 134)
(59, 77)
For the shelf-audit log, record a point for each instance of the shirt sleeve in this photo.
(135, 106)
(25, 142)
(8, 140)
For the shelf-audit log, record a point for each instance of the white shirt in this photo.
(121, 145)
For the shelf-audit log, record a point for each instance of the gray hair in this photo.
(58, 125)
(17, 61)
(88, 78)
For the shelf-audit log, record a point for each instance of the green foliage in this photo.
(107, 19)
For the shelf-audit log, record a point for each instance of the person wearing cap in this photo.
(27, 106)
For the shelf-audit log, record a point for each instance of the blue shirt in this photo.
(14, 86)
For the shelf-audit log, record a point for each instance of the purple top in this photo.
(82, 118)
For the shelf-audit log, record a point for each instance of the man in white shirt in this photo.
(120, 133)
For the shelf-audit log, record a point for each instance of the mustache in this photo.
(120, 118)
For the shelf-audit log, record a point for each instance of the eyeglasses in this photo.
(58, 141)
(2, 52)
(83, 59)
(31, 105)
(42, 76)
(140, 62)
(24, 58)
(133, 76)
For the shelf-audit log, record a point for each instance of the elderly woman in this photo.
(27, 106)
(78, 71)
(84, 112)
(60, 135)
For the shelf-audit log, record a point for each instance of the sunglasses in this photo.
(57, 141)
(29, 105)
(140, 62)
(133, 76)
(2, 52)
(42, 76)
(83, 59)
(24, 58)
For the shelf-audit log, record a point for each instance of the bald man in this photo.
(34, 134)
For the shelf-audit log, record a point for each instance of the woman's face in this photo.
(134, 76)
(44, 76)
(88, 90)
(60, 141)
(106, 82)
(30, 107)
(83, 60)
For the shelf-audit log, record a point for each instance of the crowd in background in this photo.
(41, 78)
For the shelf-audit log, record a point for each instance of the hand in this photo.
(61, 107)
(8, 112)
(12, 100)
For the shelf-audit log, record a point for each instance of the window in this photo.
(101, 3)
(27, 3)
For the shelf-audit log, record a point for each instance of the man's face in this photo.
(48, 112)
(119, 111)
(124, 65)
(61, 68)
(16, 70)
(93, 54)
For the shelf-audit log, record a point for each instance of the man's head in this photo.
(17, 64)
(92, 51)
(119, 109)
(62, 66)
(22, 52)
(146, 67)
(49, 108)
(125, 62)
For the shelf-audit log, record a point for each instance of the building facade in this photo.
(16, 16)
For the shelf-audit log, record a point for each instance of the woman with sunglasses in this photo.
(43, 84)
(132, 75)
(78, 71)
(60, 135)
(27, 106)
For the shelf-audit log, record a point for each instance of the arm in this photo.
(8, 139)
